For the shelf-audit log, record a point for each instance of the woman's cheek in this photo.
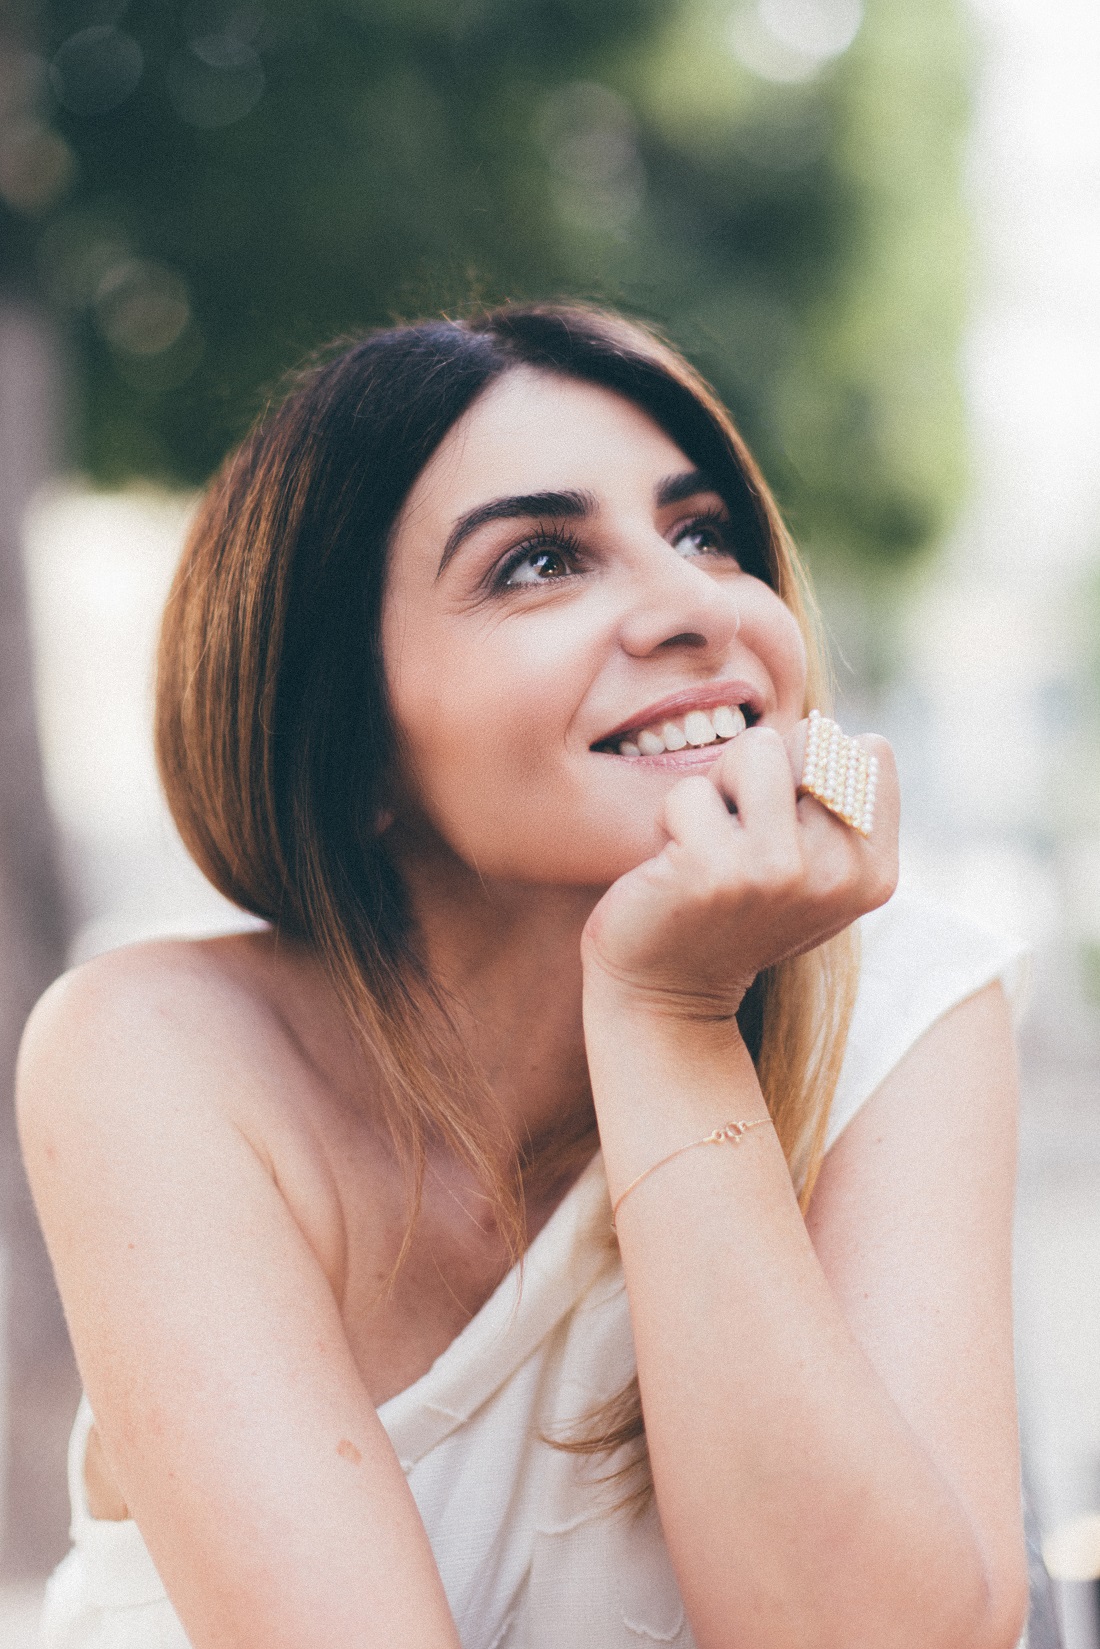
(770, 629)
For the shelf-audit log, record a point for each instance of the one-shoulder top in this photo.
(532, 1543)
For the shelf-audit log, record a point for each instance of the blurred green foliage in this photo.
(204, 191)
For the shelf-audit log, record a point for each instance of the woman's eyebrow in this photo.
(674, 489)
(572, 504)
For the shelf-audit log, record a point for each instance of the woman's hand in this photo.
(751, 873)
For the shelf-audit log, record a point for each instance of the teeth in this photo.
(698, 728)
(727, 722)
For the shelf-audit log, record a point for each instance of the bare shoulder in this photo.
(193, 1005)
(167, 977)
(151, 1055)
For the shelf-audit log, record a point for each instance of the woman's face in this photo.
(565, 622)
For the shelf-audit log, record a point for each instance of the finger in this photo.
(832, 850)
(713, 855)
(697, 818)
(887, 798)
(755, 773)
(795, 742)
(883, 840)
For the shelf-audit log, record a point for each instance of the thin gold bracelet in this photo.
(730, 1132)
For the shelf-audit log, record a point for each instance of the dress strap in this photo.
(78, 1450)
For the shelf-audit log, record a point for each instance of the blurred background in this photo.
(874, 224)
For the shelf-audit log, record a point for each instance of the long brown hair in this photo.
(274, 733)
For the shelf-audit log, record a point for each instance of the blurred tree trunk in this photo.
(39, 1377)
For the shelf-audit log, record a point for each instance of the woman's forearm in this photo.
(799, 1506)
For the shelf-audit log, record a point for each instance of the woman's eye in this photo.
(703, 538)
(537, 567)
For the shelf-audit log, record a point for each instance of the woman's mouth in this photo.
(694, 729)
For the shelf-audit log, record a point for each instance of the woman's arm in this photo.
(206, 1330)
(912, 1222)
(829, 1410)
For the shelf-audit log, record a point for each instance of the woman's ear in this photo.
(383, 820)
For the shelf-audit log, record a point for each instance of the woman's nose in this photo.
(674, 602)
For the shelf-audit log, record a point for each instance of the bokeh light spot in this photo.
(817, 28)
(75, 251)
(788, 41)
(96, 70)
(142, 307)
(36, 166)
(218, 80)
(244, 22)
(590, 137)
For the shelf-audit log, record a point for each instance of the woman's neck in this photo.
(507, 961)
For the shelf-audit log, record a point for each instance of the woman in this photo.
(483, 680)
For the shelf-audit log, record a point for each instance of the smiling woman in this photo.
(484, 680)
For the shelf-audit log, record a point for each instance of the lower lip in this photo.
(690, 756)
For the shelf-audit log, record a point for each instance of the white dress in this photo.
(529, 1546)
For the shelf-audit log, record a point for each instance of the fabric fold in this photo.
(556, 1272)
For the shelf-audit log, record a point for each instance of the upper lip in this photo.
(706, 696)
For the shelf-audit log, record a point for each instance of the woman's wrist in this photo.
(661, 1078)
(662, 1009)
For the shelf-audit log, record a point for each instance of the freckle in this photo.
(348, 1451)
(131, 1245)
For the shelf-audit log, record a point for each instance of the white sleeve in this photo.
(918, 959)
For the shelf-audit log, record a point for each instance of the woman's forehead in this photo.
(531, 432)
